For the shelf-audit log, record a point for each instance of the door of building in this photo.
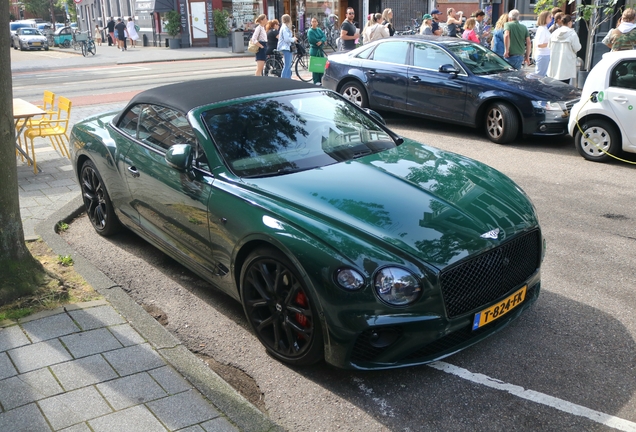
(198, 24)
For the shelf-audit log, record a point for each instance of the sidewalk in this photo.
(106, 365)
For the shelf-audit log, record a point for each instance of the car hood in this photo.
(425, 202)
(535, 86)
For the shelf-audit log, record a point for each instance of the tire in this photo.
(92, 49)
(302, 68)
(15, 47)
(97, 202)
(46, 49)
(273, 67)
(355, 92)
(279, 308)
(597, 133)
(66, 43)
(21, 47)
(502, 124)
(83, 49)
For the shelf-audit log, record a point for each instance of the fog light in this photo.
(543, 128)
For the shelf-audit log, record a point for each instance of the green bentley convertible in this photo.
(342, 240)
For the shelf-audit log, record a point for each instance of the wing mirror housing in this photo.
(179, 156)
(449, 69)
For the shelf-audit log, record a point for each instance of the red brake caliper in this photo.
(301, 319)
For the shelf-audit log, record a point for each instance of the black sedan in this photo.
(452, 80)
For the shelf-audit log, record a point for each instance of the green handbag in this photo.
(317, 64)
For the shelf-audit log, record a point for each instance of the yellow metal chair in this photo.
(48, 105)
(56, 129)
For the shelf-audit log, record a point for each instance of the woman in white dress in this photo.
(132, 32)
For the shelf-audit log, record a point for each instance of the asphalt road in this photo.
(569, 363)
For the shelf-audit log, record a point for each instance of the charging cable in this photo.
(598, 97)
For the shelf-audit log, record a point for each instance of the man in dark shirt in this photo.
(122, 32)
(435, 25)
(111, 32)
(348, 31)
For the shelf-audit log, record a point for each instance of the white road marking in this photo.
(384, 408)
(540, 398)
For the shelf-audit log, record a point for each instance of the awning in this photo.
(155, 5)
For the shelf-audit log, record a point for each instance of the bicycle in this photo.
(300, 63)
(85, 43)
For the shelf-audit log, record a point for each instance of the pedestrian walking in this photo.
(516, 41)
(98, 35)
(624, 38)
(498, 45)
(482, 27)
(564, 44)
(272, 35)
(348, 31)
(376, 30)
(553, 12)
(132, 31)
(469, 30)
(317, 39)
(111, 32)
(259, 38)
(426, 28)
(453, 25)
(557, 22)
(387, 16)
(285, 40)
(540, 49)
(122, 32)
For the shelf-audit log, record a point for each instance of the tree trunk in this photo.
(20, 273)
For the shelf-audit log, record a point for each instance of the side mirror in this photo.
(375, 115)
(449, 69)
(179, 156)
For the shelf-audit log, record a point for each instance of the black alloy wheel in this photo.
(279, 308)
(502, 124)
(98, 206)
(598, 141)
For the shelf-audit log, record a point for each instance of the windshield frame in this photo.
(456, 48)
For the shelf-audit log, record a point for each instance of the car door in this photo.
(172, 204)
(386, 75)
(433, 93)
(621, 96)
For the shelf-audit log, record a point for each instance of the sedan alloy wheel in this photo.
(355, 93)
(501, 123)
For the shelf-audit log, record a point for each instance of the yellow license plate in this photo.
(36, 44)
(500, 309)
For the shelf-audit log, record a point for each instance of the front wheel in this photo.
(99, 207)
(598, 141)
(66, 43)
(302, 68)
(356, 93)
(280, 309)
(92, 49)
(273, 67)
(84, 50)
(502, 124)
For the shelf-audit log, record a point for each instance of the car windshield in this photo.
(29, 31)
(479, 60)
(285, 134)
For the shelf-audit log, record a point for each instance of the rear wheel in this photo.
(302, 68)
(98, 206)
(502, 124)
(279, 308)
(66, 43)
(92, 49)
(273, 67)
(599, 138)
(356, 93)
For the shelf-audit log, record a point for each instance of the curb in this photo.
(238, 409)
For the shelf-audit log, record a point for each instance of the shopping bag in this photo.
(317, 64)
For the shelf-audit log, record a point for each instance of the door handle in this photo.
(133, 171)
(620, 99)
(372, 72)
(415, 79)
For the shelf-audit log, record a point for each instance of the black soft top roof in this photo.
(187, 95)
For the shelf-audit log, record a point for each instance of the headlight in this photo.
(549, 106)
(397, 286)
(349, 279)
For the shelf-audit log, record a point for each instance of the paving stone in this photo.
(62, 182)
(43, 381)
(131, 390)
(50, 327)
(195, 428)
(96, 317)
(133, 419)
(14, 393)
(171, 381)
(136, 358)
(182, 410)
(24, 419)
(6, 367)
(12, 337)
(81, 427)
(90, 342)
(74, 407)
(39, 355)
(126, 335)
(219, 424)
(83, 372)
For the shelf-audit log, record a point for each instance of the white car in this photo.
(600, 121)
(28, 38)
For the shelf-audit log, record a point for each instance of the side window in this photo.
(162, 127)
(128, 123)
(391, 52)
(624, 75)
(429, 56)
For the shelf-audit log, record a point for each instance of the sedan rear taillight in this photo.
(327, 65)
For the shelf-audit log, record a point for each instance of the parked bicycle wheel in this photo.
(273, 67)
(91, 47)
(84, 49)
(302, 67)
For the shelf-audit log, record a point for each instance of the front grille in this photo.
(570, 104)
(487, 277)
(460, 336)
